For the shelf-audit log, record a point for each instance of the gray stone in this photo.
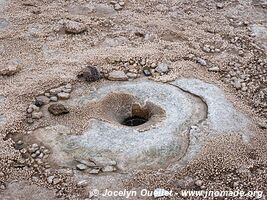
(103, 161)
(47, 94)
(87, 163)
(199, 183)
(262, 125)
(43, 100)
(56, 181)
(55, 91)
(37, 115)
(201, 61)
(132, 75)
(34, 108)
(214, 69)
(63, 95)
(82, 183)
(81, 167)
(220, 5)
(74, 27)
(109, 169)
(2, 187)
(54, 98)
(58, 109)
(117, 6)
(50, 179)
(11, 69)
(3, 23)
(117, 76)
(66, 90)
(68, 86)
(94, 171)
(162, 68)
(237, 84)
(122, 3)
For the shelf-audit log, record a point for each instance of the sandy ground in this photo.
(220, 42)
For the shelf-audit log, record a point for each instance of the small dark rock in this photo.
(90, 74)
(58, 109)
(147, 71)
(38, 103)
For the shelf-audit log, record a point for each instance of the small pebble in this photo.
(81, 167)
(214, 69)
(132, 75)
(41, 100)
(117, 76)
(74, 27)
(54, 98)
(219, 5)
(162, 68)
(147, 71)
(50, 179)
(108, 169)
(201, 61)
(117, 7)
(63, 95)
(82, 183)
(199, 183)
(55, 91)
(37, 115)
(94, 171)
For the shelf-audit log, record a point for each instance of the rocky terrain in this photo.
(55, 56)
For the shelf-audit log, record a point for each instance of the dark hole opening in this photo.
(134, 121)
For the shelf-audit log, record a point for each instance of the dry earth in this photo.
(46, 44)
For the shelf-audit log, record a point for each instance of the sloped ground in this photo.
(45, 44)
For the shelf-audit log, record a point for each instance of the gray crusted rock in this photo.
(214, 69)
(109, 169)
(117, 6)
(63, 95)
(37, 115)
(201, 61)
(42, 100)
(54, 98)
(58, 109)
(50, 179)
(94, 171)
(55, 91)
(162, 68)
(117, 76)
(74, 27)
(82, 183)
(103, 161)
(10, 69)
(81, 167)
(132, 75)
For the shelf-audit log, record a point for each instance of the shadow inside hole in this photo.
(139, 115)
(134, 121)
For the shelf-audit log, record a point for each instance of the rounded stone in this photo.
(58, 109)
(54, 98)
(81, 167)
(63, 95)
(117, 76)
